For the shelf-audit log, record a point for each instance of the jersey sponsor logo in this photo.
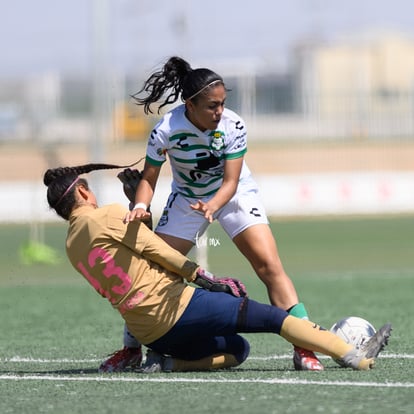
(208, 161)
(180, 143)
(196, 175)
(239, 145)
(239, 125)
(255, 212)
(241, 137)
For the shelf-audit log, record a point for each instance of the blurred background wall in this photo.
(326, 89)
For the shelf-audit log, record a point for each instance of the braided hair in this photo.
(62, 181)
(178, 76)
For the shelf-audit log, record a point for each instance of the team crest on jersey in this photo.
(218, 140)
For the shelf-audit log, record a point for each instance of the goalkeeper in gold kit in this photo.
(185, 328)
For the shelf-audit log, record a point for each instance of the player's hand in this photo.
(137, 214)
(204, 208)
(229, 285)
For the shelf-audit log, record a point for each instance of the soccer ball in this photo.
(353, 330)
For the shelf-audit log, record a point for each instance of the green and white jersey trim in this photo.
(197, 157)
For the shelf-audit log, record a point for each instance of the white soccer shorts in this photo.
(244, 210)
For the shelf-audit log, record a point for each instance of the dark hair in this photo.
(62, 181)
(177, 75)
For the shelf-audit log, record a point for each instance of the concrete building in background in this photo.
(356, 87)
(364, 81)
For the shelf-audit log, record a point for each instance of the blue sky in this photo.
(56, 35)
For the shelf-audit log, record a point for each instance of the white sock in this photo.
(129, 339)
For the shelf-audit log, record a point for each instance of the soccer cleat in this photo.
(156, 362)
(122, 359)
(305, 360)
(364, 358)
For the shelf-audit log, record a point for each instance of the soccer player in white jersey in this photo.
(205, 144)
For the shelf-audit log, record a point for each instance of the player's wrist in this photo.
(140, 205)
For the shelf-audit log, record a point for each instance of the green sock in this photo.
(298, 311)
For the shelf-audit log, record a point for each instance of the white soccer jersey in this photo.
(197, 157)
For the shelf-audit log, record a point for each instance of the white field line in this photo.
(206, 381)
(252, 358)
(169, 379)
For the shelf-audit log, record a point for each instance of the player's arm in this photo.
(153, 248)
(158, 251)
(144, 193)
(231, 176)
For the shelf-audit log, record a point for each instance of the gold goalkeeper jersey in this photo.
(140, 274)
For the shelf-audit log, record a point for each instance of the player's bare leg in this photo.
(182, 245)
(259, 246)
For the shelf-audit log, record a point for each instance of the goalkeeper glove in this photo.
(208, 281)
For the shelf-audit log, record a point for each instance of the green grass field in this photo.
(55, 330)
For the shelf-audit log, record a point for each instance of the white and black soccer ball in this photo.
(353, 330)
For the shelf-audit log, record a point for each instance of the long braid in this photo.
(61, 183)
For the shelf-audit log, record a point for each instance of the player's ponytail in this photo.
(177, 76)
